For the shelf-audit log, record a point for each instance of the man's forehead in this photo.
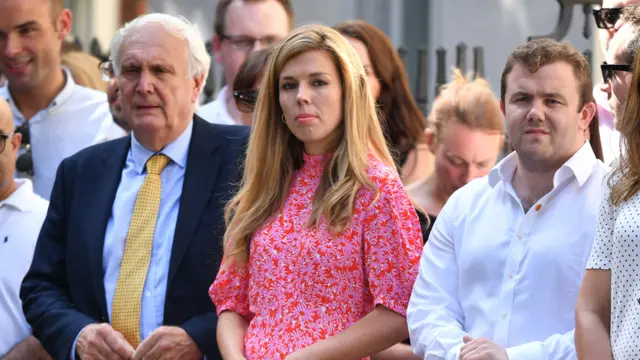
(150, 41)
(555, 77)
(618, 44)
(6, 118)
(256, 18)
(18, 12)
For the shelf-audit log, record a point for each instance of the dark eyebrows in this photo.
(24, 25)
(314, 74)
(519, 94)
(550, 95)
(27, 24)
(557, 96)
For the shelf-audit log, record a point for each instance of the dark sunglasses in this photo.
(606, 18)
(246, 100)
(609, 70)
(24, 163)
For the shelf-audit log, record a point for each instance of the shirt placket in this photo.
(518, 242)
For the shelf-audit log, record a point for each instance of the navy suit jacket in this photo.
(64, 289)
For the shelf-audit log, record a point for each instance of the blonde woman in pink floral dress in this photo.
(322, 243)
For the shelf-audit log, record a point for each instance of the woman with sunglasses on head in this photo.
(322, 242)
(402, 121)
(246, 84)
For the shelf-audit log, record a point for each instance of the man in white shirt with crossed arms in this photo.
(500, 274)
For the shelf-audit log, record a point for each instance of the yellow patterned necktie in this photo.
(127, 300)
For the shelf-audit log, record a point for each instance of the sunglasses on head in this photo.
(246, 100)
(24, 163)
(606, 18)
(609, 70)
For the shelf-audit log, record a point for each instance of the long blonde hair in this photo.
(625, 178)
(274, 153)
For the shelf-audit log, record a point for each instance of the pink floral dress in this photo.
(302, 285)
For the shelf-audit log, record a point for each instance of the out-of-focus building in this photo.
(497, 26)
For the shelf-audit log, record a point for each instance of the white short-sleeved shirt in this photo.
(77, 117)
(617, 248)
(21, 217)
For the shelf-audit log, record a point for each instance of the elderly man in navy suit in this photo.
(132, 238)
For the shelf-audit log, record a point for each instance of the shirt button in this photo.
(510, 275)
(148, 293)
(520, 236)
(504, 316)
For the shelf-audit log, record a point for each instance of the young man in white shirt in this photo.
(56, 117)
(500, 273)
(21, 215)
(243, 26)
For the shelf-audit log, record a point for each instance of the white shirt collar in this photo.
(59, 99)
(22, 198)
(222, 100)
(580, 166)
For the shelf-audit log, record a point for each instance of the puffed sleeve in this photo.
(392, 245)
(602, 248)
(230, 290)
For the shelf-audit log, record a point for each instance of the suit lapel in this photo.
(199, 180)
(99, 190)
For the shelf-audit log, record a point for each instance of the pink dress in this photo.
(302, 285)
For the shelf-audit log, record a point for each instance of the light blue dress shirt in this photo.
(133, 175)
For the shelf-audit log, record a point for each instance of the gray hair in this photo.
(632, 46)
(199, 59)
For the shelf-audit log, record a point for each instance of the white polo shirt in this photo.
(216, 112)
(77, 118)
(21, 217)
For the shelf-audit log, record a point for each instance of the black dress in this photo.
(426, 224)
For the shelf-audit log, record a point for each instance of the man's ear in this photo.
(198, 84)
(216, 44)
(63, 24)
(430, 139)
(587, 114)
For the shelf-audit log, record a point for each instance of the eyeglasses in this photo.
(106, 70)
(247, 43)
(246, 100)
(24, 163)
(609, 70)
(606, 18)
(3, 141)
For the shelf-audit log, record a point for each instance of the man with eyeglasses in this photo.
(113, 94)
(616, 70)
(242, 26)
(56, 117)
(608, 20)
(21, 215)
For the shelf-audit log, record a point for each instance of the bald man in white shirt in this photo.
(21, 215)
(501, 271)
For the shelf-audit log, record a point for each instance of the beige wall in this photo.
(95, 18)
